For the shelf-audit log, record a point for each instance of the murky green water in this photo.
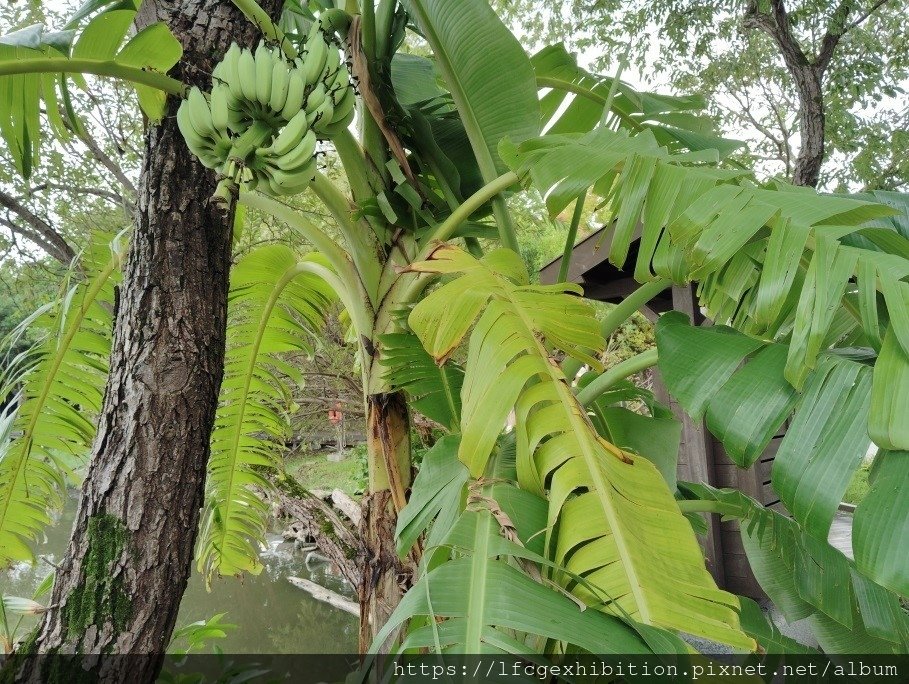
(271, 614)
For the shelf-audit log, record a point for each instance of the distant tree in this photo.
(810, 81)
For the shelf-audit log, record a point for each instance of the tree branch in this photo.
(836, 29)
(864, 15)
(24, 232)
(107, 162)
(50, 240)
(114, 197)
(776, 24)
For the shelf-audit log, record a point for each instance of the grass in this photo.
(315, 471)
(858, 488)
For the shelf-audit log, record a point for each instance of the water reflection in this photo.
(272, 615)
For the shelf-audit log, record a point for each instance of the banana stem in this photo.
(571, 237)
(338, 258)
(360, 241)
(354, 163)
(617, 373)
(258, 16)
(621, 313)
(624, 309)
(252, 139)
(58, 65)
(385, 15)
(470, 205)
(701, 506)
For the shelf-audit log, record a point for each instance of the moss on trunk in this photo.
(102, 598)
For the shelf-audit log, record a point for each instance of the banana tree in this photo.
(577, 506)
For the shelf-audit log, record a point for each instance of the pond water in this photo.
(272, 616)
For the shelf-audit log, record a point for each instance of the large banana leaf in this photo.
(612, 518)
(51, 424)
(576, 99)
(477, 593)
(436, 497)
(881, 529)
(824, 444)
(488, 74)
(656, 436)
(484, 598)
(780, 263)
(807, 578)
(35, 65)
(887, 423)
(276, 304)
(738, 381)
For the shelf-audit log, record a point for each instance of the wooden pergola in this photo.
(701, 456)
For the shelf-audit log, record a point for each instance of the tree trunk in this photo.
(385, 577)
(807, 169)
(808, 76)
(120, 585)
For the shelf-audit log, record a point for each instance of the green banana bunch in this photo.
(331, 97)
(261, 124)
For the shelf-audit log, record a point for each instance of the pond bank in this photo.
(272, 615)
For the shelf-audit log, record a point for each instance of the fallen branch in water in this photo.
(320, 593)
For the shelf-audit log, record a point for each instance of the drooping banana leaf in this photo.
(276, 303)
(608, 509)
(51, 423)
(487, 72)
(575, 100)
(807, 578)
(777, 263)
(880, 534)
(738, 383)
(475, 596)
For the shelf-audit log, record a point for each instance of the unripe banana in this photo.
(340, 82)
(195, 142)
(298, 177)
(246, 67)
(299, 154)
(332, 64)
(238, 120)
(264, 67)
(316, 98)
(222, 146)
(273, 188)
(338, 125)
(280, 79)
(295, 88)
(291, 182)
(231, 75)
(313, 62)
(220, 109)
(290, 136)
(345, 106)
(199, 113)
(322, 116)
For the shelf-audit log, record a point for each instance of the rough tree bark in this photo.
(119, 587)
(807, 74)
